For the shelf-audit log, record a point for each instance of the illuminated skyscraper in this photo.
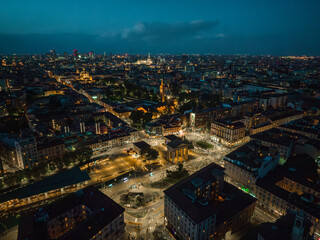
(91, 55)
(75, 53)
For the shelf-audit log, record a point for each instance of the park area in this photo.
(172, 177)
(204, 145)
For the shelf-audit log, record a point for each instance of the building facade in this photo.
(59, 184)
(249, 163)
(110, 140)
(26, 151)
(177, 151)
(293, 186)
(86, 214)
(227, 133)
(50, 149)
(202, 207)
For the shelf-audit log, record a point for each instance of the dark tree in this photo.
(36, 172)
(136, 116)
(152, 154)
(179, 173)
(52, 166)
(188, 106)
(147, 117)
(27, 173)
(18, 176)
(9, 179)
(43, 168)
(67, 159)
(83, 154)
(138, 201)
(59, 164)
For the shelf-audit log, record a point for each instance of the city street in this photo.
(144, 226)
(118, 162)
(128, 99)
(198, 158)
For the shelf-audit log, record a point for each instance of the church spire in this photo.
(162, 91)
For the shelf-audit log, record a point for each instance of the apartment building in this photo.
(204, 206)
(227, 132)
(250, 162)
(293, 186)
(85, 214)
(49, 149)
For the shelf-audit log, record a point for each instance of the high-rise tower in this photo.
(75, 53)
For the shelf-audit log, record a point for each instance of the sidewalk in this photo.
(11, 235)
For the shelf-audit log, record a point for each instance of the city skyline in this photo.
(149, 120)
(180, 146)
(216, 27)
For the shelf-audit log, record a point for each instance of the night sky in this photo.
(276, 27)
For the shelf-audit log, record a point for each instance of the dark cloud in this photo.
(160, 32)
(188, 37)
(41, 43)
(250, 26)
(141, 37)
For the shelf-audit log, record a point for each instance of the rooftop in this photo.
(281, 229)
(172, 138)
(274, 136)
(45, 143)
(283, 113)
(251, 155)
(308, 124)
(59, 180)
(228, 123)
(303, 172)
(235, 200)
(175, 144)
(142, 145)
(103, 210)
